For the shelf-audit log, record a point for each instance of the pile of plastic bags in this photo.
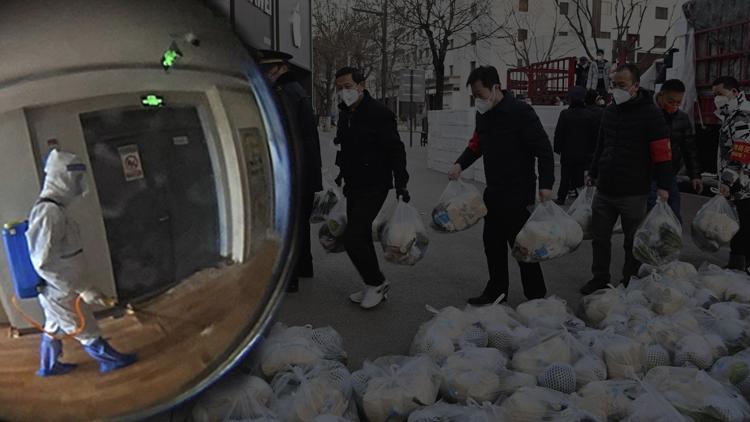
(404, 238)
(715, 224)
(658, 240)
(459, 207)
(549, 233)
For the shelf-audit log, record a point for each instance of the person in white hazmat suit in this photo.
(57, 255)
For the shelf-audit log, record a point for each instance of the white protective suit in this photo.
(57, 250)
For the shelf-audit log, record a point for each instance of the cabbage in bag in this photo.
(324, 201)
(715, 224)
(659, 239)
(331, 234)
(582, 212)
(404, 238)
(549, 233)
(459, 207)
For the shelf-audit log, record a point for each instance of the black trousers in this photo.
(571, 177)
(304, 254)
(741, 241)
(361, 210)
(601, 88)
(501, 225)
(606, 209)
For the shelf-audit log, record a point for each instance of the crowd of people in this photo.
(626, 141)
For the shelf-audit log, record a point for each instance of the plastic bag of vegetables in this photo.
(404, 238)
(235, 397)
(658, 240)
(549, 233)
(581, 210)
(331, 234)
(715, 224)
(325, 200)
(459, 207)
(385, 213)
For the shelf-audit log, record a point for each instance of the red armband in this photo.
(661, 150)
(474, 145)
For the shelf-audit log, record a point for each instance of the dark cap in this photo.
(577, 93)
(272, 56)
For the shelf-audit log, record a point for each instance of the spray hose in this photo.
(79, 312)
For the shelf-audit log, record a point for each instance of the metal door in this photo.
(156, 187)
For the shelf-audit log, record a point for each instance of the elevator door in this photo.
(156, 187)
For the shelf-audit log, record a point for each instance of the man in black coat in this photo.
(510, 138)
(632, 149)
(301, 127)
(575, 141)
(682, 137)
(582, 71)
(372, 161)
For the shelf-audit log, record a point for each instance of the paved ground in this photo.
(453, 270)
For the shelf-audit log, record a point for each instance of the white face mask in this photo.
(349, 96)
(621, 95)
(483, 105)
(722, 101)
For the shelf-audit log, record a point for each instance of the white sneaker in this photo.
(374, 295)
(357, 297)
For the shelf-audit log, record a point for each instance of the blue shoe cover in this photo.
(50, 350)
(109, 359)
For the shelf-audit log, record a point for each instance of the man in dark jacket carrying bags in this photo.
(575, 141)
(372, 160)
(682, 137)
(633, 147)
(301, 126)
(510, 137)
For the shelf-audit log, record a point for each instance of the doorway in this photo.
(156, 187)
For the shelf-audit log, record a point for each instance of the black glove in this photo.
(403, 195)
(339, 179)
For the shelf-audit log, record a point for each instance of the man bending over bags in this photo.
(510, 137)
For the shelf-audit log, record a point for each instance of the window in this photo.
(450, 70)
(564, 8)
(660, 41)
(451, 43)
(563, 33)
(605, 35)
(473, 66)
(519, 62)
(606, 8)
(662, 13)
(522, 34)
(523, 5)
(473, 38)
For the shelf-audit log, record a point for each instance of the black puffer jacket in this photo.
(372, 155)
(683, 144)
(633, 147)
(301, 126)
(575, 134)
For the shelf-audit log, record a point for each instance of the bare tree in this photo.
(341, 39)
(530, 36)
(629, 16)
(445, 25)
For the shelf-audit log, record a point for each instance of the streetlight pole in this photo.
(383, 44)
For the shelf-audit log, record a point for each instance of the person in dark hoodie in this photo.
(372, 160)
(633, 148)
(575, 141)
(510, 138)
(682, 138)
(301, 126)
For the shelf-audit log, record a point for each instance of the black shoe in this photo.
(305, 270)
(593, 286)
(293, 286)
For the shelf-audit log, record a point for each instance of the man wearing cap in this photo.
(575, 141)
(301, 127)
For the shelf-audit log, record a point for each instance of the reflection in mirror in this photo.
(144, 205)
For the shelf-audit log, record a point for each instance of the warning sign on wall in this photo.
(131, 162)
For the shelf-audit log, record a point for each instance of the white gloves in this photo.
(95, 297)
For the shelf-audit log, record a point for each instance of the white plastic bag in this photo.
(325, 201)
(385, 213)
(533, 404)
(235, 397)
(401, 390)
(331, 234)
(439, 337)
(404, 238)
(302, 393)
(287, 346)
(472, 373)
(442, 411)
(734, 370)
(459, 207)
(549, 233)
(551, 312)
(610, 400)
(539, 351)
(658, 241)
(715, 224)
(582, 212)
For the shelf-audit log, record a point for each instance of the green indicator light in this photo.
(169, 58)
(152, 101)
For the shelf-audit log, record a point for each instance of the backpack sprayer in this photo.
(28, 284)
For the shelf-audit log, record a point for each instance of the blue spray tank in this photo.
(25, 279)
